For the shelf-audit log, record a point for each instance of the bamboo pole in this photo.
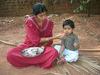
(7, 43)
(89, 50)
(81, 50)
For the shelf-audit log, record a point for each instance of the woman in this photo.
(38, 32)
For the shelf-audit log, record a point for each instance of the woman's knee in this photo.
(12, 51)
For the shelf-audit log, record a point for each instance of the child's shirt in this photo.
(69, 40)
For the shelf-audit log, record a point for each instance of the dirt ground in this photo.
(12, 30)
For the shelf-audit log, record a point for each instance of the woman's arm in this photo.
(47, 39)
(32, 33)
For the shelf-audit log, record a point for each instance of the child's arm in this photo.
(61, 50)
(76, 43)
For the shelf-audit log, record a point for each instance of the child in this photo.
(69, 43)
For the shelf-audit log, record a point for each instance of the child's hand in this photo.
(76, 45)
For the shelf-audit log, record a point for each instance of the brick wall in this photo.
(23, 7)
(15, 7)
(95, 7)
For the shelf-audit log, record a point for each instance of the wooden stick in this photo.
(89, 50)
(81, 50)
(7, 43)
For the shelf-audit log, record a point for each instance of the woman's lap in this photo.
(44, 60)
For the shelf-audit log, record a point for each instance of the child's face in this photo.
(68, 30)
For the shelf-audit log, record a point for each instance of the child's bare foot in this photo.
(61, 61)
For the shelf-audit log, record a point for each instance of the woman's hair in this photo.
(68, 23)
(39, 8)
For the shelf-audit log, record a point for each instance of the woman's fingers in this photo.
(60, 35)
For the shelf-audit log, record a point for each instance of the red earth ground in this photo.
(12, 30)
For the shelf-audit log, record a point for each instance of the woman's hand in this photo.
(46, 40)
(58, 36)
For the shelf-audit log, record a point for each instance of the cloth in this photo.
(69, 55)
(32, 51)
(34, 33)
(57, 47)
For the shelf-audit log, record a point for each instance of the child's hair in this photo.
(68, 23)
(39, 8)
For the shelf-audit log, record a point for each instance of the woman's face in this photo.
(68, 30)
(41, 16)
